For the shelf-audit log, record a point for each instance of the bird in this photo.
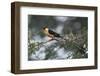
(50, 33)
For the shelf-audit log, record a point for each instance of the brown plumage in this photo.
(50, 33)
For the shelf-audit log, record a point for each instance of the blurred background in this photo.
(73, 29)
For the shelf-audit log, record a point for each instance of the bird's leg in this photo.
(51, 39)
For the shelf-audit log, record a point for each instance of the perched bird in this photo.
(51, 33)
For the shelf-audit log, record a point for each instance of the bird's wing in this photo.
(54, 33)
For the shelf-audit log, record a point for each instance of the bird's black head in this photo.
(45, 27)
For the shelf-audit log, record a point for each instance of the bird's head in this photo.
(45, 28)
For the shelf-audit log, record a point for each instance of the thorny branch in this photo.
(64, 40)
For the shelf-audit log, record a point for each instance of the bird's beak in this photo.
(42, 30)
